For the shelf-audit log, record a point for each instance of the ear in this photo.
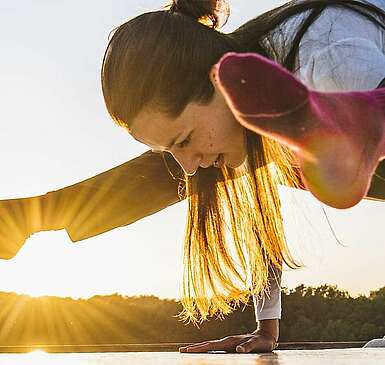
(213, 77)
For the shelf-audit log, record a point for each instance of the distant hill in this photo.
(309, 314)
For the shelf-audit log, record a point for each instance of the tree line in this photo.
(324, 313)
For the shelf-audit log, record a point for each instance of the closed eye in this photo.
(185, 142)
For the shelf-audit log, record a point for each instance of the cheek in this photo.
(218, 136)
(215, 140)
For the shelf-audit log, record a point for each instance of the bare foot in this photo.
(338, 138)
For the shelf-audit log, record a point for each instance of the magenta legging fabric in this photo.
(338, 137)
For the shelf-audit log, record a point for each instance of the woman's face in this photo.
(201, 135)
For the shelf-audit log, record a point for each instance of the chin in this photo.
(234, 163)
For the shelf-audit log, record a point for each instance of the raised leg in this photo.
(338, 138)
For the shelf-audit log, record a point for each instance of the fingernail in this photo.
(240, 348)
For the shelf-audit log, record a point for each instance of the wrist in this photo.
(269, 327)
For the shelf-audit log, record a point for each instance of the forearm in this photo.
(269, 305)
(117, 197)
(268, 308)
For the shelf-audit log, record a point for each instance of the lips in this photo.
(220, 161)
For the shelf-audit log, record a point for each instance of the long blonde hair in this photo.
(234, 230)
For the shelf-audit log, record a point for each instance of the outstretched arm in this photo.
(117, 197)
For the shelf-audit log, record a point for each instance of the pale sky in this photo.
(54, 131)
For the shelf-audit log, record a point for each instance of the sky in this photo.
(55, 131)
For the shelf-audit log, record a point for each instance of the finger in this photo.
(256, 344)
(201, 348)
(205, 346)
(227, 344)
(214, 345)
(195, 345)
(248, 346)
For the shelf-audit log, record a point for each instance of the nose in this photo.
(187, 161)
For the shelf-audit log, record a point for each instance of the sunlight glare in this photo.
(41, 357)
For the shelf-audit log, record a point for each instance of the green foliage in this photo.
(309, 314)
(328, 314)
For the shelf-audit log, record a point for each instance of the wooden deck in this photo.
(355, 356)
(164, 347)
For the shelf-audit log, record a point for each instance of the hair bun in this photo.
(208, 12)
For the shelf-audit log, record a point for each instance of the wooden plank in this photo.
(163, 347)
(280, 357)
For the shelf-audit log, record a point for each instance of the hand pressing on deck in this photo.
(263, 339)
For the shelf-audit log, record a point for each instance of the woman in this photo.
(276, 34)
(157, 84)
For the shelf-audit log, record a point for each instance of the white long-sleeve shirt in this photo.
(341, 50)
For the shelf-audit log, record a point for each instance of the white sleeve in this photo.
(269, 307)
(348, 64)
